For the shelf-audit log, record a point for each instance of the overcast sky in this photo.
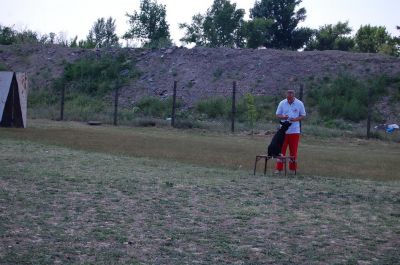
(75, 17)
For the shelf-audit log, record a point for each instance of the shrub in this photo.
(3, 67)
(265, 106)
(337, 124)
(97, 76)
(345, 97)
(218, 73)
(251, 112)
(354, 111)
(155, 107)
(214, 108)
(86, 82)
(42, 98)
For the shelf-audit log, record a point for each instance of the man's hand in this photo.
(283, 117)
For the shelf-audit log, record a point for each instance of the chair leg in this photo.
(255, 165)
(265, 166)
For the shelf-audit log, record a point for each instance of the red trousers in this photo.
(291, 140)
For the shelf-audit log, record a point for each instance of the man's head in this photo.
(290, 96)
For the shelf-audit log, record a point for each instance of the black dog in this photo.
(275, 147)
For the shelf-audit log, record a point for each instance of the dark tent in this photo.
(13, 99)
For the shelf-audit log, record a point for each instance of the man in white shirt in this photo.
(290, 109)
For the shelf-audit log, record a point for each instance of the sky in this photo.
(76, 17)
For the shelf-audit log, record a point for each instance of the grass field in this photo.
(72, 194)
(335, 157)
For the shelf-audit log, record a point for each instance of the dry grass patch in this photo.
(335, 157)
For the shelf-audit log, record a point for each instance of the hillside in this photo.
(205, 72)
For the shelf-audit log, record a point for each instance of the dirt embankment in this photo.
(204, 72)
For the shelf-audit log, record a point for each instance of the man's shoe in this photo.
(276, 172)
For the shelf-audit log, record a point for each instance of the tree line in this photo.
(272, 24)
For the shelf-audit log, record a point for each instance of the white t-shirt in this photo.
(293, 110)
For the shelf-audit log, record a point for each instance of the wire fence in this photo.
(224, 110)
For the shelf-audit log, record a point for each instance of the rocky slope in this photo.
(204, 72)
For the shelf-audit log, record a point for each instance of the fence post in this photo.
(301, 92)
(173, 105)
(301, 96)
(233, 107)
(116, 105)
(62, 103)
(369, 113)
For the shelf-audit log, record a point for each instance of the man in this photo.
(290, 109)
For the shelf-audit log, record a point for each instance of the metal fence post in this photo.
(62, 103)
(116, 105)
(301, 92)
(173, 105)
(301, 97)
(233, 107)
(369, 113)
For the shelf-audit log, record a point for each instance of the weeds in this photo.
(4, 67)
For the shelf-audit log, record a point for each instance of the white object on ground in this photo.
(393, 126)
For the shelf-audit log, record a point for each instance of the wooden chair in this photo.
(284, 159)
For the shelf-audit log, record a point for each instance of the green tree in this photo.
(27, 36)
(10, 36)
(74, 42)
(194, 31)
(258, 32)
(222, 26)
(149, 25)
(285, 17)
(7, 35)
(102, 34)
(372, 38)
(52, 37)
(332, 37)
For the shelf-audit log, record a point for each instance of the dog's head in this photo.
(285, 125)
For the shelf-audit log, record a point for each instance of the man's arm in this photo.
(279, 113)
(297, 119)
(282, 116)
